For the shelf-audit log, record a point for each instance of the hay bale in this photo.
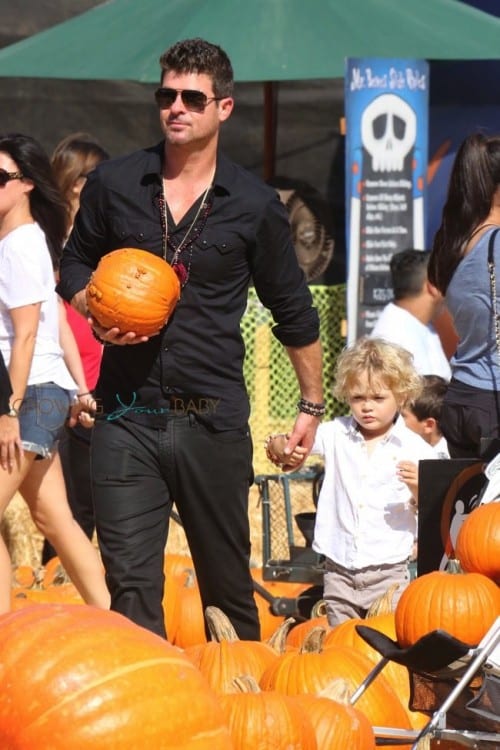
(20, 534)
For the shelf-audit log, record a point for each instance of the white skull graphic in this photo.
(388, 131)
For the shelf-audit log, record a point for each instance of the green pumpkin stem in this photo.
(453, 566)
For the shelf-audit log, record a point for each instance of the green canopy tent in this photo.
(267, 40)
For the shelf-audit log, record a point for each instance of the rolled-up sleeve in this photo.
(280, 282)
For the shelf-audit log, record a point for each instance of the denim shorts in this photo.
(42, 416)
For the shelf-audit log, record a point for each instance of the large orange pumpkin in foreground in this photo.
(73, 676)
(478, 541)
(133, 290)
(465, 605)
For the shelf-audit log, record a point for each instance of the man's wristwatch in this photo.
(13, 412)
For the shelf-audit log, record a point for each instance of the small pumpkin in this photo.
(133, 290)
(478, 542)
(465, 605)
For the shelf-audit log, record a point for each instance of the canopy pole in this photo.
(270, 128)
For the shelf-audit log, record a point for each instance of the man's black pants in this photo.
(137, 474)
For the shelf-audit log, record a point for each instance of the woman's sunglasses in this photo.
(196, 101)
(6, 177)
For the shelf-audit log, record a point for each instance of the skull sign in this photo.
(388, 131)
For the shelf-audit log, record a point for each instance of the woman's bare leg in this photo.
(10, 479)
(45, 493)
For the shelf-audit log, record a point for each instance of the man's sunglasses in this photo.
(196, 101)
(6, 177)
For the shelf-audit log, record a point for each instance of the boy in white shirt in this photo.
(366, 514)
(424, 413)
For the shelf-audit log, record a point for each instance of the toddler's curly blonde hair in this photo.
(384, 363)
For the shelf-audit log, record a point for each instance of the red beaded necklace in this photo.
(196, 227)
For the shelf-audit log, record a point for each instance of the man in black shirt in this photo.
(174, 421)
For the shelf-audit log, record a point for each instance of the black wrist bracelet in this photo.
(309, 407)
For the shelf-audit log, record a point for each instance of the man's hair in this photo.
(430, 401)
(200, 56)
(385, 363)
(408, 272)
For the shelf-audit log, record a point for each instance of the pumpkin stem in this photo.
(246, 683)
(313, 641)
(318, 609)
(337, 690)
(383, 604)
(277, 640)
(220, 626)
(453, 566)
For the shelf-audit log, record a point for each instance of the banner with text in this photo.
(387, 109)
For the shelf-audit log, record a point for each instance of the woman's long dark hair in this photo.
(46, 203)
(475, 176)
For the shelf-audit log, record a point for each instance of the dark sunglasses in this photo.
(196, 101)
(6, 177)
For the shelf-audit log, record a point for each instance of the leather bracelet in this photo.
(81, 395)
(309, 407)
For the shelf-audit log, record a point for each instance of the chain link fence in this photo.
(270, 377)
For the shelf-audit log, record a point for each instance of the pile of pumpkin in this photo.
(72, 676)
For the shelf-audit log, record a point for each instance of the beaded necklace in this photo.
(186, 243)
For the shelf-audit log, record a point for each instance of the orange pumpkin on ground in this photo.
(42, 585)
(226, 657)
(478, 542)
(133, 290)
(337, 725)
(299, 632)
(345, 634)
(177, 569)
(465, 605)
(266, 719)
(187, 624)
(98, 681)
(312, 669)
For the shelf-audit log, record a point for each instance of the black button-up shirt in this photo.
(198, 356)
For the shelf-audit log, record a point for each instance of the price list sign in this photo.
(386, 162)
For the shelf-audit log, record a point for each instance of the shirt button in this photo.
(166, 349)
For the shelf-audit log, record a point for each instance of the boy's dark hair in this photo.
(430, 401)
(200, 56)
(408, 272)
